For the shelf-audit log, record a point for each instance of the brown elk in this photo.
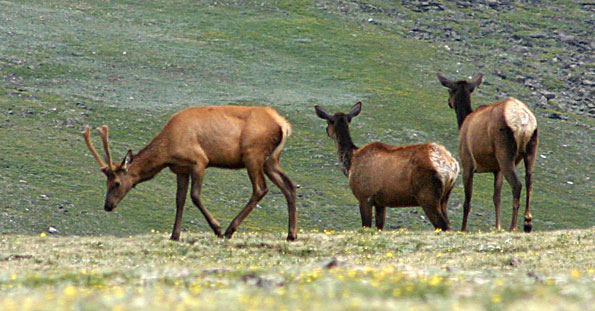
(393, 176)
(196, 138)
(495, 139)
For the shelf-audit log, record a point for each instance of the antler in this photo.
(87, 136)
(104, 135)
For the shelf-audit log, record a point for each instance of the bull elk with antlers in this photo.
(494, 139)
(393, 176)
(196, 138)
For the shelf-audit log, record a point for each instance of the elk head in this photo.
(459, 89)
(119, 182)
(338, 120)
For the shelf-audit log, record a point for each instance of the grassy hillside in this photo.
(355, 270)
(130, 65)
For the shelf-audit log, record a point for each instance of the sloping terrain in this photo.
(130, 65)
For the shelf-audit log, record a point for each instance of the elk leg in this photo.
(444, 207)
(380, 216)
(276, 175)
(497, 197)
(516, 185)
(529, 160)
(468, 183)
(259, 190)
(365, 210)
(197, 177)
(430, 200)
(180, 201)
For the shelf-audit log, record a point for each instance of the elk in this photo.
(196, 138)
(393, 176)
(494, 139)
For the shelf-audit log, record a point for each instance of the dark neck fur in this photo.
(462, 103)
(345, 145)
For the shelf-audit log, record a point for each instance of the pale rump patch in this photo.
(446, 166)
(521, 121)
(285, 129)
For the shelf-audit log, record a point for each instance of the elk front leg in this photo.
(180, 201)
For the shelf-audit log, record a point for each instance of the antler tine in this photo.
(103, 132)
(87, 135)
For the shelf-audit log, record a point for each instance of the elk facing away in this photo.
(197, 138)
(393, 176)
(495, 139)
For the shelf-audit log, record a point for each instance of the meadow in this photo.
(131, 65)
(329, 270)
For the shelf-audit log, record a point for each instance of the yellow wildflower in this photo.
(435, 280)
(496, 298)
(70, 291)
(389, 254)
(43, 235)
(575, 274)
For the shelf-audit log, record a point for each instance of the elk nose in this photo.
(108, 207)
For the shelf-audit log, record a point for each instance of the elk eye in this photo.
(117, 184)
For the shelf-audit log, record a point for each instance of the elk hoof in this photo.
(175, 237)
(291, 238)
(527, 228)
(218, 233)
(228, 234)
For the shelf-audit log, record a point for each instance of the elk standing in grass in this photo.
(495, 139)
(393, 176)
(197, 138)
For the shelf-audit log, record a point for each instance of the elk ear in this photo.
(323, 113)
(355, 110)
(475, 82)
(444, 81)
(128, 158)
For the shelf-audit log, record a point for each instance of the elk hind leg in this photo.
(468, 184)
(278, 177)
(365, 210)
(197, 178)
(497, 197)
(259, 190)
(430, 199)
(444, 206)
(380, 216)
(529, 160)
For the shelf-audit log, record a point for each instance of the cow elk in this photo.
(196, 138)
(393, 176)
(494, 139)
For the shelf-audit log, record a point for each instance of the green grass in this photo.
(347, 270)
(131, 65)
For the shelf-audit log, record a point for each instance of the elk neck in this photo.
(149, 161)
(345, 146)
(462, 106)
